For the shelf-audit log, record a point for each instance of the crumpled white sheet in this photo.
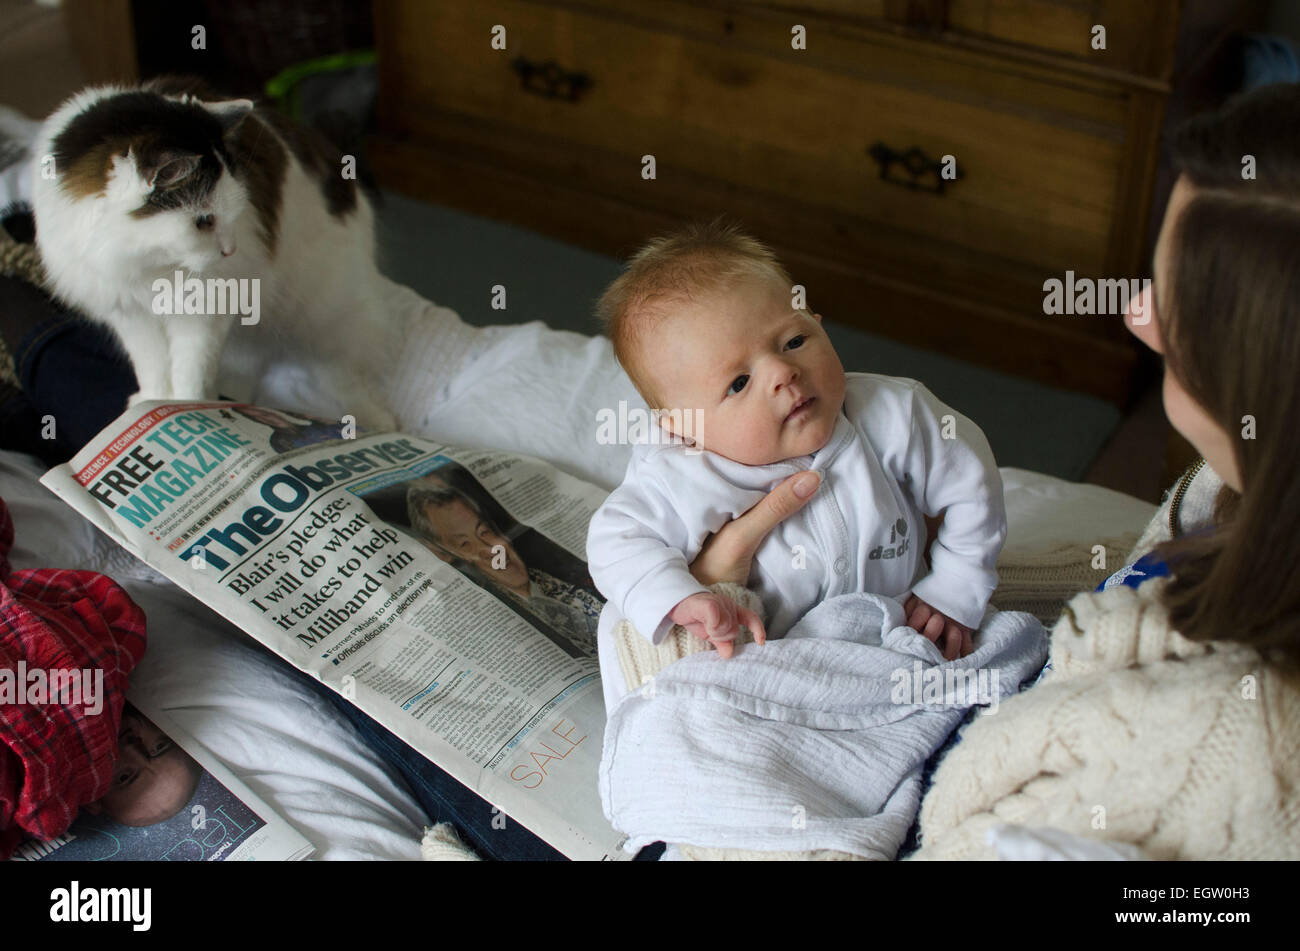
(814, 741)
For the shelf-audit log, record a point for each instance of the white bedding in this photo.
(524, 388)
(727, 754)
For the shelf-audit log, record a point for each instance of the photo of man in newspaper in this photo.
(460, 522)
(163, 805)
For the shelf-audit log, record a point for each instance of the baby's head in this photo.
(703, 321)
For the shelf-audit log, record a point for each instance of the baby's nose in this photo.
(786, 373)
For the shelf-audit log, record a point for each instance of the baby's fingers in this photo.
(956, 641)
(722, 625)
(949, 642)
(725, 648)
(755, 624)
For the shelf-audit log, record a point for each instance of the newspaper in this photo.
(171, 801)
(442, 591)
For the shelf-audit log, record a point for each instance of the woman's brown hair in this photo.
(1231, 331)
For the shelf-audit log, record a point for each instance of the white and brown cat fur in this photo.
(164, 176)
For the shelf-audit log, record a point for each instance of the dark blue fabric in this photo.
(71, 370)
(442, 797)
(1267, 60)
(1144, 569)
(913, 840)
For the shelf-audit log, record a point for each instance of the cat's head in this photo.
(160, 172)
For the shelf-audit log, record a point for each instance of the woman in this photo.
(1170, 719)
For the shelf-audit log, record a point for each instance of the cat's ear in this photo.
(168, 167)
(229, 113)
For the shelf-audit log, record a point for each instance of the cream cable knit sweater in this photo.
(1189, 751)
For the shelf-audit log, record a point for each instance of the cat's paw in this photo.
(377, 420)
(140, 396)
(372, 416)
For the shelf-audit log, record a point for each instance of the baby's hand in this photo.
(952, 639)
(716, 619)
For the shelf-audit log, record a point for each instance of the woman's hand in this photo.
(729, 554)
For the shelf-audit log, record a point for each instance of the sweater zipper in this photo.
(1180, 490)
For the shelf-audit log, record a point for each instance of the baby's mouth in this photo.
(800, 408)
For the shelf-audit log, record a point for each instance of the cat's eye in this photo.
(204, 222)
(796, 342)
(738, 383)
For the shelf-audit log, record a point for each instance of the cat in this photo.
(137, 187)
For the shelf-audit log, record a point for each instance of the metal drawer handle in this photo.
(912, 163)
(551, 81)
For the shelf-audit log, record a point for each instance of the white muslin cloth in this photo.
(815, 741)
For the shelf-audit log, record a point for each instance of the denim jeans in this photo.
(444, 799)
(71, 372)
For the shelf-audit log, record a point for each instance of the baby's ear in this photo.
(817, 317)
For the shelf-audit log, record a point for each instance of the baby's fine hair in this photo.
(699, 258)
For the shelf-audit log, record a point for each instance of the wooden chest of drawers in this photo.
(833, 153)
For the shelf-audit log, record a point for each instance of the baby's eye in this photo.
(796, 342)
(738, 383)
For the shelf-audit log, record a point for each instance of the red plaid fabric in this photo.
(55, 757)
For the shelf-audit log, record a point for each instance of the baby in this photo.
(750, 391)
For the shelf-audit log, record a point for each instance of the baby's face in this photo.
(761, 379)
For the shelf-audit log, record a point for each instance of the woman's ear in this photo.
(1140, 318)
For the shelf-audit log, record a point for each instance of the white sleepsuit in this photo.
(886, 465)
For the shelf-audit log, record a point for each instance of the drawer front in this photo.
(1039, 157)
(1140, 36)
